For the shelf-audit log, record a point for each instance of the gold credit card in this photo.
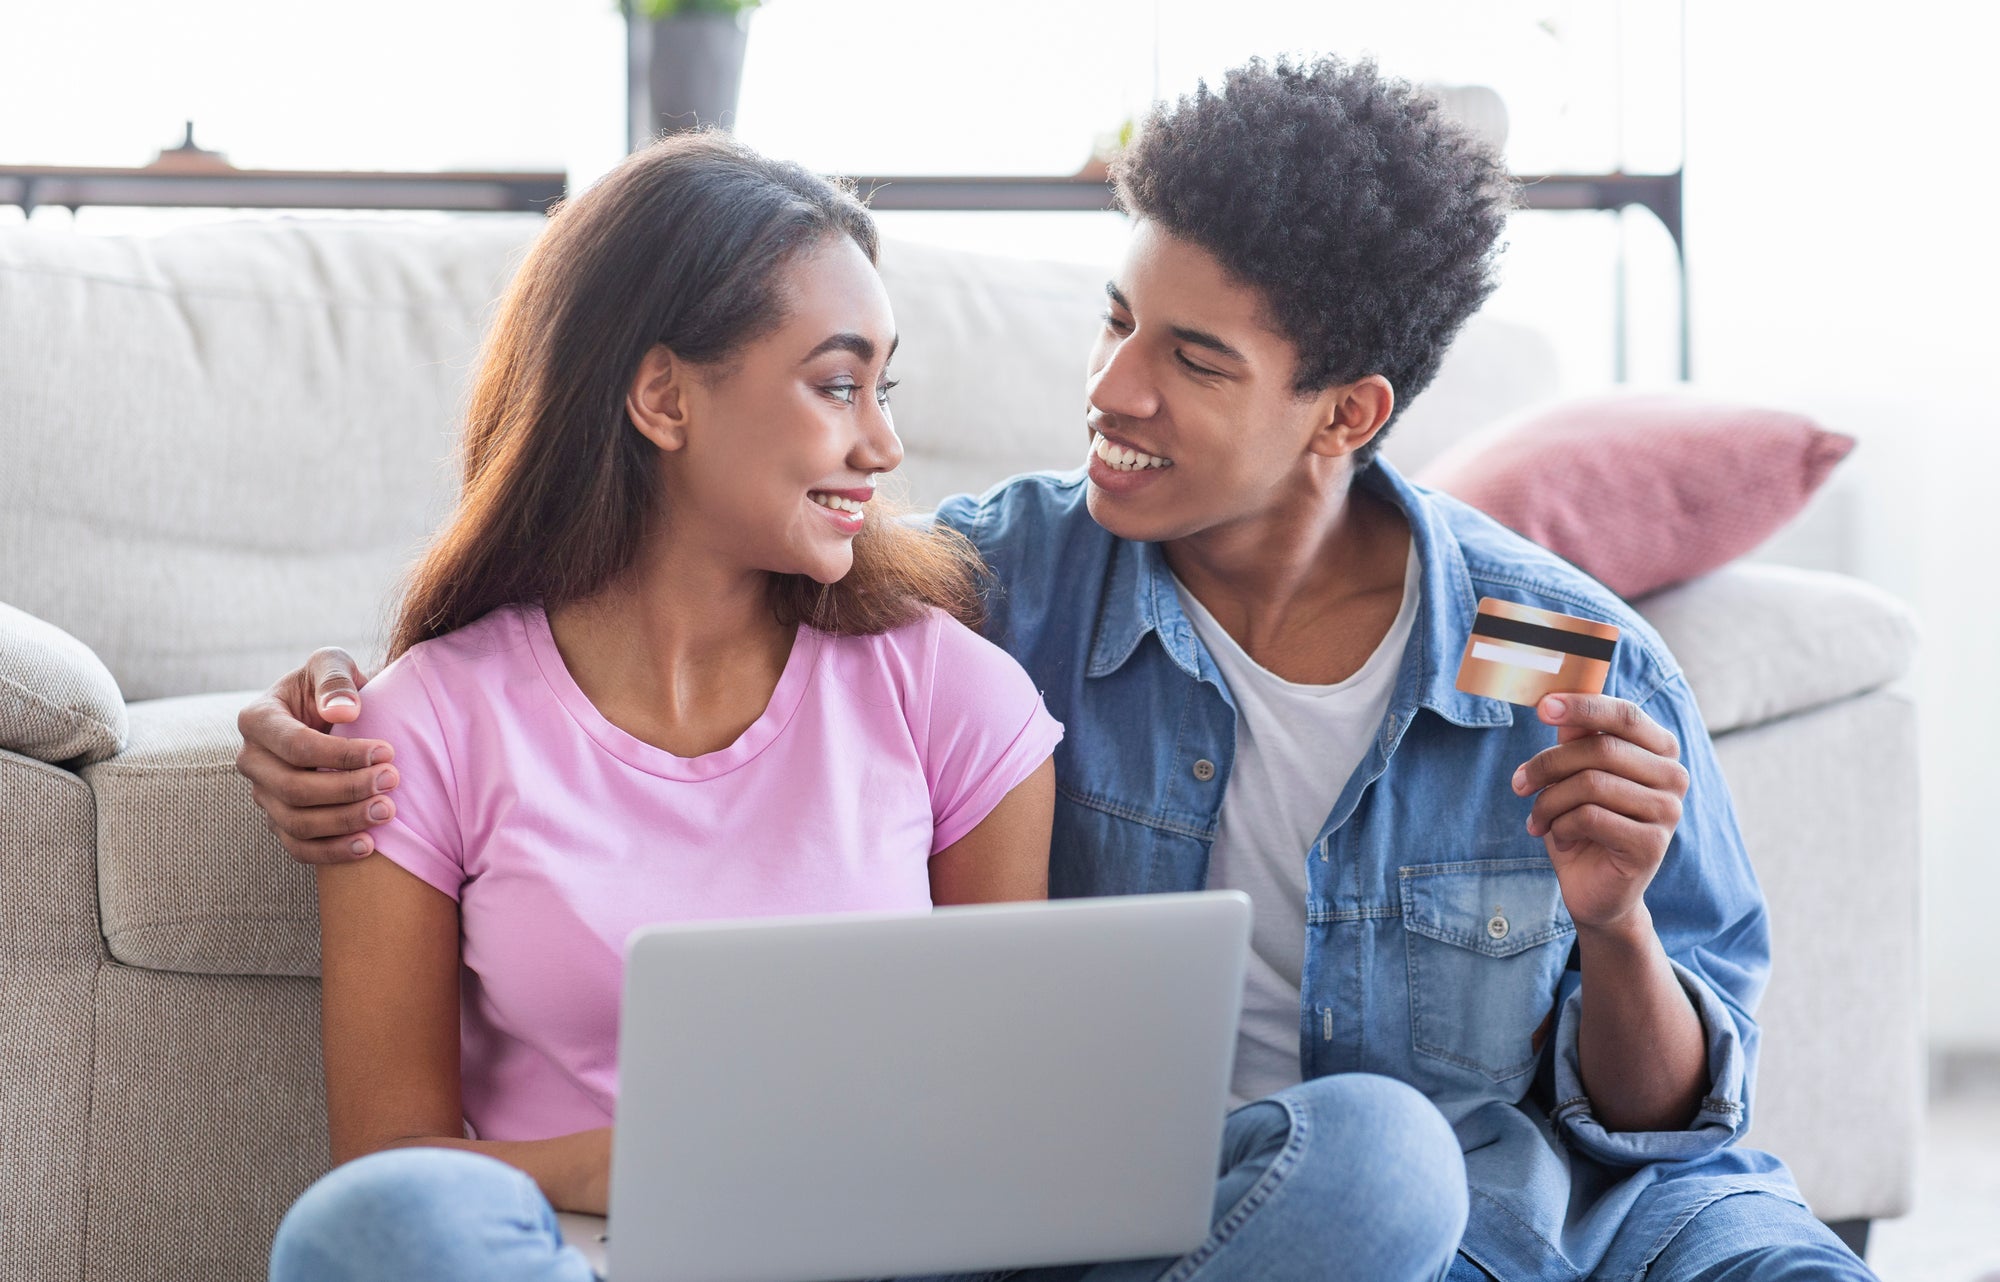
(1519, 653)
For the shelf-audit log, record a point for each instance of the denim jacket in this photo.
(1437, 943)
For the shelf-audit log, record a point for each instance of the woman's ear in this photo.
(658, 400)
(1355, 412)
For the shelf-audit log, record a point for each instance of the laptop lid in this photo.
(997, 1086)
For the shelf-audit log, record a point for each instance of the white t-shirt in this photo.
(1296, 745)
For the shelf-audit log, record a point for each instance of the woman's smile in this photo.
(845, 508)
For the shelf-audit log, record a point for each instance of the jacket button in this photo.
(1204, 770)
(1497, 927)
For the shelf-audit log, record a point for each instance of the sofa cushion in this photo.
(1758, 642)
(188, 876)
(58, 702)
(991, 366)
(1643, 490)
(236, 435)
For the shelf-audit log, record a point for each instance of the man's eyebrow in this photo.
(1198, 337)
(1202, 338)
(849, 341)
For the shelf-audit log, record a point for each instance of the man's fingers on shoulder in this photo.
(279, 722)
(309, 749)
(264, 720)
(329, 850)
(335, 679)
(252, 713)
(276, 782)
(286, 791)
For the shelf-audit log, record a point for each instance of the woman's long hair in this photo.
(682, 244)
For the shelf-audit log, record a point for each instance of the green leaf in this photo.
(660, 10)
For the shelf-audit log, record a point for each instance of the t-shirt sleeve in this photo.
(424, 837)
(987, 730)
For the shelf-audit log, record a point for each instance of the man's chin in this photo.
(1127, 519)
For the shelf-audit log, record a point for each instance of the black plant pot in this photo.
(683, 72)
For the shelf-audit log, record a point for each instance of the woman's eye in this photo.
(846, 392)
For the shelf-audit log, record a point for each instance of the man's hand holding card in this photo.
(1610, 789)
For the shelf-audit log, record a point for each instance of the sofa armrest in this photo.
(1758, 642)
(189, 878)
(1828, 805)
(50, 954)
(58, 702)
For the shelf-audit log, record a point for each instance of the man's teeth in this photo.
(1125, 460)
(835, 502)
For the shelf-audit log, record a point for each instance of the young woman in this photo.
(667, 661)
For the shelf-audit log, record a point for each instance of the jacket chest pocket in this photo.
(1487, 943)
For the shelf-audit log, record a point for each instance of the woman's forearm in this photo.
(1640, 1045)
(573, 1171)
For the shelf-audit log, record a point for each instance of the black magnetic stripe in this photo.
(1578, 643)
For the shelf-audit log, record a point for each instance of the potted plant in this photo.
(684, 63)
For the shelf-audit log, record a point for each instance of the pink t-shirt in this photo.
(559, 834)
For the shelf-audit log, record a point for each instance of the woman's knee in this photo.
(392, 1205)
(1756, 1237)
(1388, 1153)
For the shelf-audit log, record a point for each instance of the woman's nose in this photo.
(881, 450)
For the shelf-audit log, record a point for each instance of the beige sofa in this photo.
(217, 447)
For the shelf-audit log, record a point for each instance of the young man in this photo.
(1251, 628)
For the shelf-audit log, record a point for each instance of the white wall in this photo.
(1841, 208)
(365, 84)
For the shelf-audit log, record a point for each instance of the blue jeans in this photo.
(1746, 1237)
(434, 1213)
(1351, 1176)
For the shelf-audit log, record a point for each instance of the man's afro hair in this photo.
(1367, 218)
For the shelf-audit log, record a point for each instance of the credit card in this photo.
(1519, 653)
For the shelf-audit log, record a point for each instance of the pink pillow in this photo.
(1643, 490)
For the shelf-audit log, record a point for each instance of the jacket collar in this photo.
(1140, 598)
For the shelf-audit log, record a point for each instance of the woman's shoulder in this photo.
(931, 657)
(497, 637)
(445, 671)
(932, 637)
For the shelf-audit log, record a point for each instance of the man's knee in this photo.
(1389, 1155)
(387, 1204)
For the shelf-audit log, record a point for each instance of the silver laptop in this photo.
(878, 1095)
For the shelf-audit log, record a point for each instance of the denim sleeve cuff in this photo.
(1723, 1115)
(958, 512)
